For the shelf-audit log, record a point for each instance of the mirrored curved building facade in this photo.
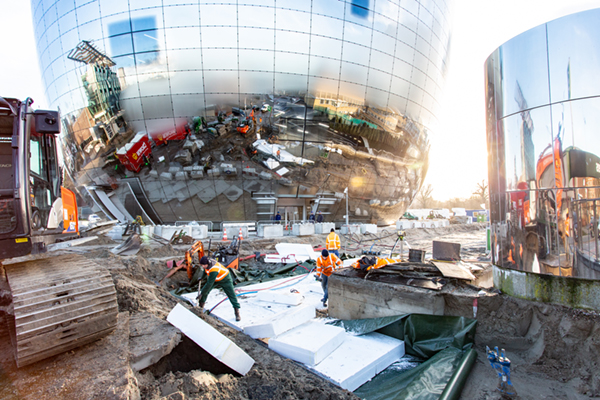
(543, 103)
(221, 111)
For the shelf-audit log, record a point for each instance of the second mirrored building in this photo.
(542, 103)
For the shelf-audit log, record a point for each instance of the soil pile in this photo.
(553, 349)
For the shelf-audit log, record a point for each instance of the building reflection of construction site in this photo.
(544, 164)
(294, 153)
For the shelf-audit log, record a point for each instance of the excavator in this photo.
(60, 302)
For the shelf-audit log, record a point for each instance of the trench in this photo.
(188, 356)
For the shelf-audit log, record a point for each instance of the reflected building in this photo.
(218, 111)
(542, 100)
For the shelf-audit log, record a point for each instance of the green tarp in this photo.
(439, 342)
(248, 276)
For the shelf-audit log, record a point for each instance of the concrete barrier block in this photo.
(324, 227)
(303, 229)
(346, 229)
(368, 228)
(268, 231)
(199, 231)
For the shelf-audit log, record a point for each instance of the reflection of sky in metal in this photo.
(553, 63)
(392, 56)
(360, 8)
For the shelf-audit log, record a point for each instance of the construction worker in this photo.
(332, 243)
(311, 218)
(326, 264)
(278, 217)
(218, 276)
(320, 217)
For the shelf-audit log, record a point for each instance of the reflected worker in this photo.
(220, 277)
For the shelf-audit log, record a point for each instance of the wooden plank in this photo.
(453, 270)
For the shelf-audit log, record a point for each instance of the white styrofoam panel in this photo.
(359, 359)
(211, 340)
(281, 322)
(297, 249)
(281, 297)
(308, 343)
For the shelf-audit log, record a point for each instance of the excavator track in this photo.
(59, 303)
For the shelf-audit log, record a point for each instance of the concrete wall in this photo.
(571, 292)
(354, 298)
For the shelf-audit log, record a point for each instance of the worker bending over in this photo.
(218, 276)
(332, 243)
(326, 264)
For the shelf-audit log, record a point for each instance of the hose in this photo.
(274, 287)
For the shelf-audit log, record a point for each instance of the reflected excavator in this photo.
(56, 303)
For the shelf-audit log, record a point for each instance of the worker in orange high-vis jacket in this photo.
(326, 264)
(332, 243)
(218, 276)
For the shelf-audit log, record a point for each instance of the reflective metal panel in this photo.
(544, 161)
(573, 54)
(213, 108)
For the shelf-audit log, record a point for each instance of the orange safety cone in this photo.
(241, 236)
(224, 234)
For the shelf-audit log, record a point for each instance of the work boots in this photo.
(237, 314)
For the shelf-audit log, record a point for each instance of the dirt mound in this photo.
(553, 349)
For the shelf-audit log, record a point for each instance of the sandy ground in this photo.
(554, 350)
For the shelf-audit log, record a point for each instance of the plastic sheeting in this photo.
(440, 342)
(248, 276)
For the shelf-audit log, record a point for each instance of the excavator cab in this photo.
(58, 302)
(32, 201)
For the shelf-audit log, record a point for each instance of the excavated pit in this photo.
(188, 356)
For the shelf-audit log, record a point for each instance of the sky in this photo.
(458, 156)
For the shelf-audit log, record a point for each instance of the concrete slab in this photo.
(211, 340)
(309, 343)
(354, 298)
(281, 322)
(150, 339)
(233, 193)
(359, 359)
